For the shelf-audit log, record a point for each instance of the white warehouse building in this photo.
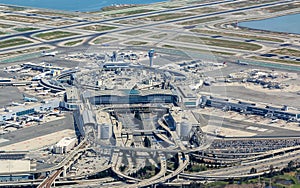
(65, 145)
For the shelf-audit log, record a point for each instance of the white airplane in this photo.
(38, 88)
(29, 88)
(32, 118)
(43, 93)
(17, 104)
(242, 63)
(59, 94)
(44, 53)
(25, 71)
(57, 114)
(274, 121)
(29, 99)
(13, 69)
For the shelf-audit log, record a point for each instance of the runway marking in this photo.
(256, 129)
(3, 140)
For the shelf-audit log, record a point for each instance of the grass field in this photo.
(55, 35)
(204, 10)
(55, 14)
(198, 21)
(136, 43)
(236, 35)
(282, 7)
(101, 40)
(135, 32)
(159, 36)
(72, 43)
(131, 12)
(275, 60)
(98, 27)
(13, 42)
(24, 19)
(197, 50)
(218, 42)
(167, 16)
(23, 29)
(6, 26)
(247, 3)
(286, 51)
(22, 52)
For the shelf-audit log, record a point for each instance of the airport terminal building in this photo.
(251, 108)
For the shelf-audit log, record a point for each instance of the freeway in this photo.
(243, 170)
(159, 175)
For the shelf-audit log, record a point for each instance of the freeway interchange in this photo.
(197, 114)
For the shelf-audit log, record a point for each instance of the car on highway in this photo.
(216, 36)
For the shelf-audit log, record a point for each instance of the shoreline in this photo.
(124, 5)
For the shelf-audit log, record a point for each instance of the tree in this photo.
(253, 170)
(147, 142)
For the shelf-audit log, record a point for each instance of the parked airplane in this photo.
(57, 114)
(44, 53)
(43, 93)
(32, 118)
(17, 104)
(29, 99)
(59, 94)
(25, 71)
(242, 63)
(38, 88)
(13, 69)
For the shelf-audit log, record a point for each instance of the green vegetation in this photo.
(198, 21)
(286, 51)
(55, 35)
(198, 50)
(5, 26)
(167, 16)
(98, 27)
(2, 33)
(204, 10)
(275, 60)
(23, 29)
(131, 12)
(14, 8)
(171, 6)
(101, 40)
(159, 36)
(21, 52)
(283, 7)
(146, 172)
(136, 43)
(59, 23)
(196, 167)
(239, 13)
(24, 19)
(72, 43)
(236, 35)
(130, 22)
(246, 3)
(135, 32)
(13, 42)
(58, 14)
(121, 7)
(218, 42)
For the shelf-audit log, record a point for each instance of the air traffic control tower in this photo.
(151, 54)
